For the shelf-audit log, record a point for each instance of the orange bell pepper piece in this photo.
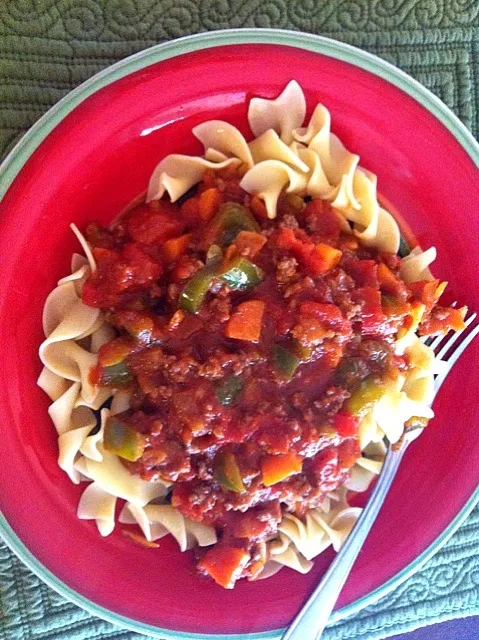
(246, 321)
(442, 320)
(390, 283)
(190, 209)
(224, 564)
(349, 243)
(278, 467)
(249, 243)
(209, 202)
(176, 247)
(324, 258)
(427, 291)
(139, 539)
(258, 207)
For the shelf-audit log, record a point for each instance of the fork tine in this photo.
(462, 347)
(456, 354)
(448, 344)
(435, 341)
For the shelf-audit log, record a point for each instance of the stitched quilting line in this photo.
(393, 43)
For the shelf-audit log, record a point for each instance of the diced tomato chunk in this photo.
(349, 451)
(363, 272)
(190, 211)
(316, 259)
(427, 291)
(256, 523)
(309, 331)
(372, 317)
(258, 207)
(150, 226)
(285, 239)
(325, 468)
(328, 313)
(119, 274)
(346, 424)
(322, 219)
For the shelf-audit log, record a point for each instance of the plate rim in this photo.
(31, 140)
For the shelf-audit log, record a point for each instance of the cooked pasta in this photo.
(331, 233)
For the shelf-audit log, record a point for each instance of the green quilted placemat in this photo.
(47, 47)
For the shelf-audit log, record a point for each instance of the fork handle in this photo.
(313, 617)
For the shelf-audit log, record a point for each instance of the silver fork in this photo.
(313, 617)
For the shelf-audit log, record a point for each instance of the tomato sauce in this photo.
(245, 342)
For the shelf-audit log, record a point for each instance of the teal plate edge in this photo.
(19, 155)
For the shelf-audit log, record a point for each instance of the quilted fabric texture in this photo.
(47, 47)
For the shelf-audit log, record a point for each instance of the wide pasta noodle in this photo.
(54, 386)
(415, 266)
(289, 156)
(283, 114)
(99, 505)
(269, 178)
(299, 541)
(269, 146)
(60, 301)
(112, 476)
(86, 249)
(222, 137)
(286, 156)
(338, 163)
(176, 174)
(70, 441)
(158, 520)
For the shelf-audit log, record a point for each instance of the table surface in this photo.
(457, 629)
(48, 47)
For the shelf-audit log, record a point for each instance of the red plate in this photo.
(97, 157)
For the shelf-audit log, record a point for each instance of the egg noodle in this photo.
(284, 156)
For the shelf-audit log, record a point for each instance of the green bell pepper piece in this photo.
(241, 274)
(227, 473)
(404, 249)
(122, 440)
(365, 396)
(228, 390)
(195, 290)
(284, 362)
(229, 221)
(115, 374)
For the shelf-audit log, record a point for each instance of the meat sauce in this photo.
(247, 344)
